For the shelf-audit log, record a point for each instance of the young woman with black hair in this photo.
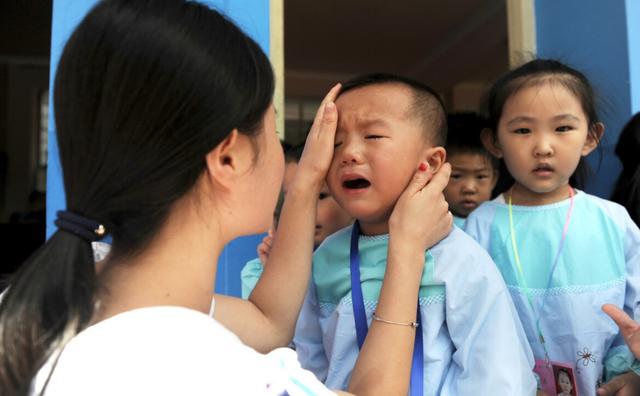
(166, 132)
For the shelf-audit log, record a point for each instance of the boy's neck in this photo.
(372, 229)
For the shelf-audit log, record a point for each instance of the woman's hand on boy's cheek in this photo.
(627, 384)
(421, 215)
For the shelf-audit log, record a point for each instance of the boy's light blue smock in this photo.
(459, 221)
(599, 264)
(249, 276)
(473, 342)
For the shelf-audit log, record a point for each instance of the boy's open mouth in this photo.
(356, 184)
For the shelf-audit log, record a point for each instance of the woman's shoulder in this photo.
(161, 326)
(147, 345)
(159, 350)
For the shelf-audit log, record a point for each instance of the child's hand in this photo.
(264, 248)
(630, 330)
(627, 384)
(318, 149)
(421, 215)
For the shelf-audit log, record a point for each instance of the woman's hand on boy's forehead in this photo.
(318, 148)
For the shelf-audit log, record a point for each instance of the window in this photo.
(43, 138)
(299, 115)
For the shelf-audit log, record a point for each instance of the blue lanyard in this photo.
(417, 369)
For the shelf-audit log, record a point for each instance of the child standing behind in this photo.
(474, 171)
(563, 253)
(468, 338)
(330, 217)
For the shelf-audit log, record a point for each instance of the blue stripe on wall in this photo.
(591, 35)
(253, 17)
(633, 27)
(67, 14)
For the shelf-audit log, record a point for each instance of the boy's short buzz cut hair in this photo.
(464, 135)
(427, 104)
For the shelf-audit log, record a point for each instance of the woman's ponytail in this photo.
(49, 299)
(143, 91)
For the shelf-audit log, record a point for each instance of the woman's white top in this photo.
(170, 351)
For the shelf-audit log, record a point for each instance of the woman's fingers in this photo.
(440, 179)
(627, 326)
(629, 329)
(318, 149)
(324, 117)
(421, 213)
(420, 179)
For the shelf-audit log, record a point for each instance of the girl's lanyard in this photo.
(553, 267)
(417, 369)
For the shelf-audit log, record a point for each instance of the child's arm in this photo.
(384, 362)
(252, 270)
(267, 320)
(492, 352)
(264, 248)
(308, 337)
(619, 361)
(249, 276)
(631, 332)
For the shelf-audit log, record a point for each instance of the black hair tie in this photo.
(80, 226)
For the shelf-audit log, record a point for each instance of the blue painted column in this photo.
(602, 40)
(253, 17)
(633, 43)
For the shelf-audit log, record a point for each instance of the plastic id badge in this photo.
(555, 378)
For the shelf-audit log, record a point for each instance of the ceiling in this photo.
(441, 43)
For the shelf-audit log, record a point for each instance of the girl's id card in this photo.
(555, 378)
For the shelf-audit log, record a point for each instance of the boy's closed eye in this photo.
(337, 144)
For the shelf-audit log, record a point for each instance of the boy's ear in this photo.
(490, 142)
(593, 138)
(436, 157)
(222, 163)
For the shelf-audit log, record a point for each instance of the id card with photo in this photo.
(556, 378)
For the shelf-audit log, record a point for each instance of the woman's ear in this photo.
(435, 157)
(490, 142)
(593, 138)
(222, 162)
